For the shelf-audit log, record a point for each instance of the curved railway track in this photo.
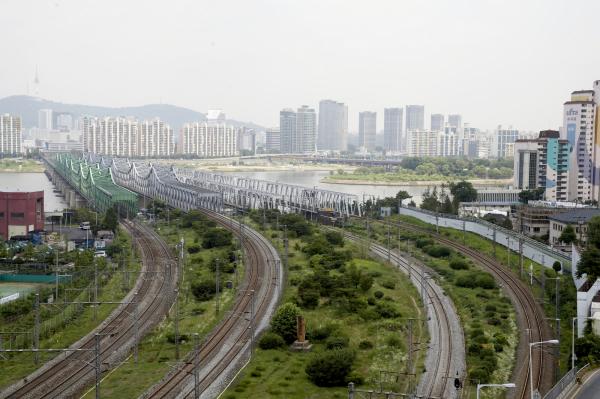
(446, 353)
(530, 317)
(68, 374)
(225, 350)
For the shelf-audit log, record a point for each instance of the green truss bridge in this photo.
(94, 183)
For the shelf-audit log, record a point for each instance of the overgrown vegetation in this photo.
(355, 311)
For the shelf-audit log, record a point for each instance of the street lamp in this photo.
(573, 338)
(531, 345)
(507, 385)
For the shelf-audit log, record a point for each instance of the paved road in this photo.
(590, 388)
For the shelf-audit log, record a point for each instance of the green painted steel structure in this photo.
(95, 184)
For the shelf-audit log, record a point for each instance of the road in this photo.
(590, 388)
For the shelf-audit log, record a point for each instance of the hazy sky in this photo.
(494, 62)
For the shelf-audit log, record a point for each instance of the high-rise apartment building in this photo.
(415, 117)
(367, 130)
(437, 122)
(580, 128)
(273, 140)
(298, 130)
(503, 145)
(333, 126)
(209, 140)
(422, 143)
(111, 136)
(455, 120)
(287, 129)
(543, 163)
(449, 142)
(155, 139)
(392, 129)
(45, 119)
(10, 135)
(306, 130)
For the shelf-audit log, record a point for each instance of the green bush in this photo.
(389, 284)
(337, 342)
(365, 344)
(271, 340)
(386, 310)
(474, 280)
(308, 298)
(378, 294)
(393, 341)
(193, 249)
(356, 378)
(216, 237)
(459, 264)
(331, 367)
(335, 238)
(423, 242)
(438, 251)
(284, 322)
(203, 290)
(323, 332)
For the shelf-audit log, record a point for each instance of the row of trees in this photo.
(448, 202)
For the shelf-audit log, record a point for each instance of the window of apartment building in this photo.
(17, 215)
(1, 215)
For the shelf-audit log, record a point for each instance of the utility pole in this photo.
(176, 324)
(196, 366)
(217, 285)
(36, 327)
(521, 257)
(56, 271)
(285, 245)
(389, 244)
(410, 349)
(508, 250)
(252, 325)
(494, 242)
(97, 365)
(95, 289)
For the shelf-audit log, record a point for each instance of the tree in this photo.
(531, 195)
(111, 219)
(203, 290)
(568, 235)
(557, 266)
(463, 191)
(284, 321)
(593, 232)
(589, 264)
(331, 367)
(216, 237)
(402, 195)
(430, 201)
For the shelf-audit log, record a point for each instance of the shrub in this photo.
(335, 238)
(356, 378)
(193, 249)
(216, 237)
(438, 251)
(171, 337)
(309, 298)
(459, 264)
(364, 345)
(284, 321)
(271, 340)
(389, 284)
(474, 280)
(331, 367)
(490, 307)
(423, 242)
(378, 294)
(371, 301)
(203, 290)
(386, 310)
(323, 332)
(393, 341)
(365, 282)
(337, 342)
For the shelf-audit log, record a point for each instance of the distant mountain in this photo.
(27, 107)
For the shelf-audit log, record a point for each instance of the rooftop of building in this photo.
(576, 215)
(578, 102)
(556, 204)
(582, 91)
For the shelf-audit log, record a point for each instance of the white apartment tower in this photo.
(111, 136)
(415, 117)
(333, 126)
(367, 129)
(155, 139)
(580, 128)
(45, 119)
(209, 140)
(422, 143)
(437, 121)
(273, 140)
(504, 139)
(10, 135)
(392, 129)
(298, 130)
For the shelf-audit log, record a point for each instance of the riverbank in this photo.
(422, 183)
(21, 166)
(255, 166)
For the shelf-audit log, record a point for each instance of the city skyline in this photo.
(484, 89)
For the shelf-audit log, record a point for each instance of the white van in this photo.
(84, 225)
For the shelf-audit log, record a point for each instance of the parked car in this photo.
(84, 225)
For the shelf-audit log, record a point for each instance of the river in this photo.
(33, 182)
(312, 178)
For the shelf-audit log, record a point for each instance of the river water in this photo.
(308, 178)
(312, 178)
(33, 182)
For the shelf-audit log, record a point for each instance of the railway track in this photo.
(446, 353)
(530, 317)
(228, 346)
(68, 374)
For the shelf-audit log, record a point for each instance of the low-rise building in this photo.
(533, 219)
(577, 218)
